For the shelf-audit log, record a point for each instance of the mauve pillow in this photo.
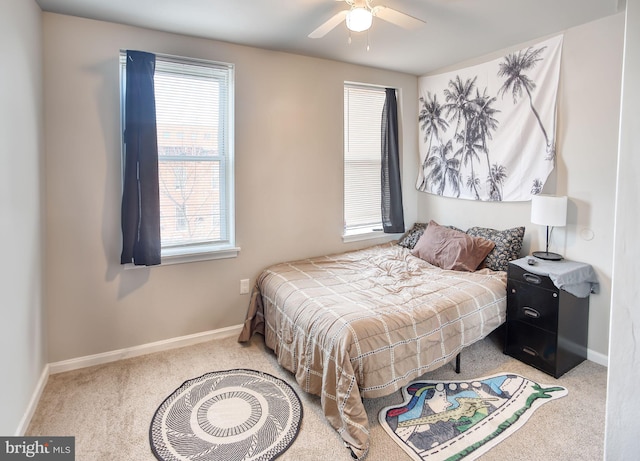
(451, 249)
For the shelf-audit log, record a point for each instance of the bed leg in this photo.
(458, 363)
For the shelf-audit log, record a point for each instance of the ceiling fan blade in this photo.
(328, 26)
(396, 17)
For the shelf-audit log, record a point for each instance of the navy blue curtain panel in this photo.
(141, 191)
(392, 214)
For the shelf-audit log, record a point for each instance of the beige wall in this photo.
(288, 179)
(587, 141)
(288, 151)
(22, 350)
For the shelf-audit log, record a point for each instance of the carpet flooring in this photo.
(108, 408)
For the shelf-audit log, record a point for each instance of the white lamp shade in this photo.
(359, 19)
(549, 210)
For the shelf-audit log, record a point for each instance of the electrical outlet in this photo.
(244, 286)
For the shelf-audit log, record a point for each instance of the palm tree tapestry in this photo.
(488, 131)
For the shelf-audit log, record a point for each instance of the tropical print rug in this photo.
(454, 420)
(230, 415)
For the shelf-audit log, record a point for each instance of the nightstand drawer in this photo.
(518, 274)
(532, 305)
(532, 346)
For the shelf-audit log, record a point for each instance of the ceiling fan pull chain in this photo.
(368, 47)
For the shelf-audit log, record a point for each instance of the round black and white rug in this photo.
(226, 416)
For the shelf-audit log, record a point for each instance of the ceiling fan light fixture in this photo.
(359, 19)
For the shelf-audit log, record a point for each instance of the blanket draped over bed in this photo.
(362, 324)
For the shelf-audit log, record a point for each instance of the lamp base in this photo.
(546, 255)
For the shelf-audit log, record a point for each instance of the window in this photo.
(363, 107)
(194, 101)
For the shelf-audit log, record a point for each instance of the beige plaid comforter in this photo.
(362, 324)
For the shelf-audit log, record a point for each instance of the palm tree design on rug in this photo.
(513, 68)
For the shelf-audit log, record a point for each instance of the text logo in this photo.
(37, 448)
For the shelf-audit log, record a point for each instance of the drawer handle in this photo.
(528, 350)
(531, 312)
(532, 278)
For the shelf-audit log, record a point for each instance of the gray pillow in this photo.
(508, 245)
(411, 237)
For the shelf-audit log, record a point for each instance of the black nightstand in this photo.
(546, 327)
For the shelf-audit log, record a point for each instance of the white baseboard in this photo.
(143, 349)
(598, 358)
(98, 359)
(106, 357)
(158, 346)
(33, 403)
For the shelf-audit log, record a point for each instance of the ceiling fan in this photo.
(359, 18)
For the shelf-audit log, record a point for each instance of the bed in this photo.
(362, 324)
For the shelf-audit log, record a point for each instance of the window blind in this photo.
(363, 107)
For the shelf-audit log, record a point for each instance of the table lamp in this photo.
(550, 211)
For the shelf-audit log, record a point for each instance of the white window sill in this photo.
(366, 234)
(198, 254)
(182, 255)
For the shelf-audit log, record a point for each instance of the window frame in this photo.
(209, 250)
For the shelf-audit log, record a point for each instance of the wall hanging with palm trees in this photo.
(488, 131)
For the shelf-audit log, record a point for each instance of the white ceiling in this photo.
(455, 30)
